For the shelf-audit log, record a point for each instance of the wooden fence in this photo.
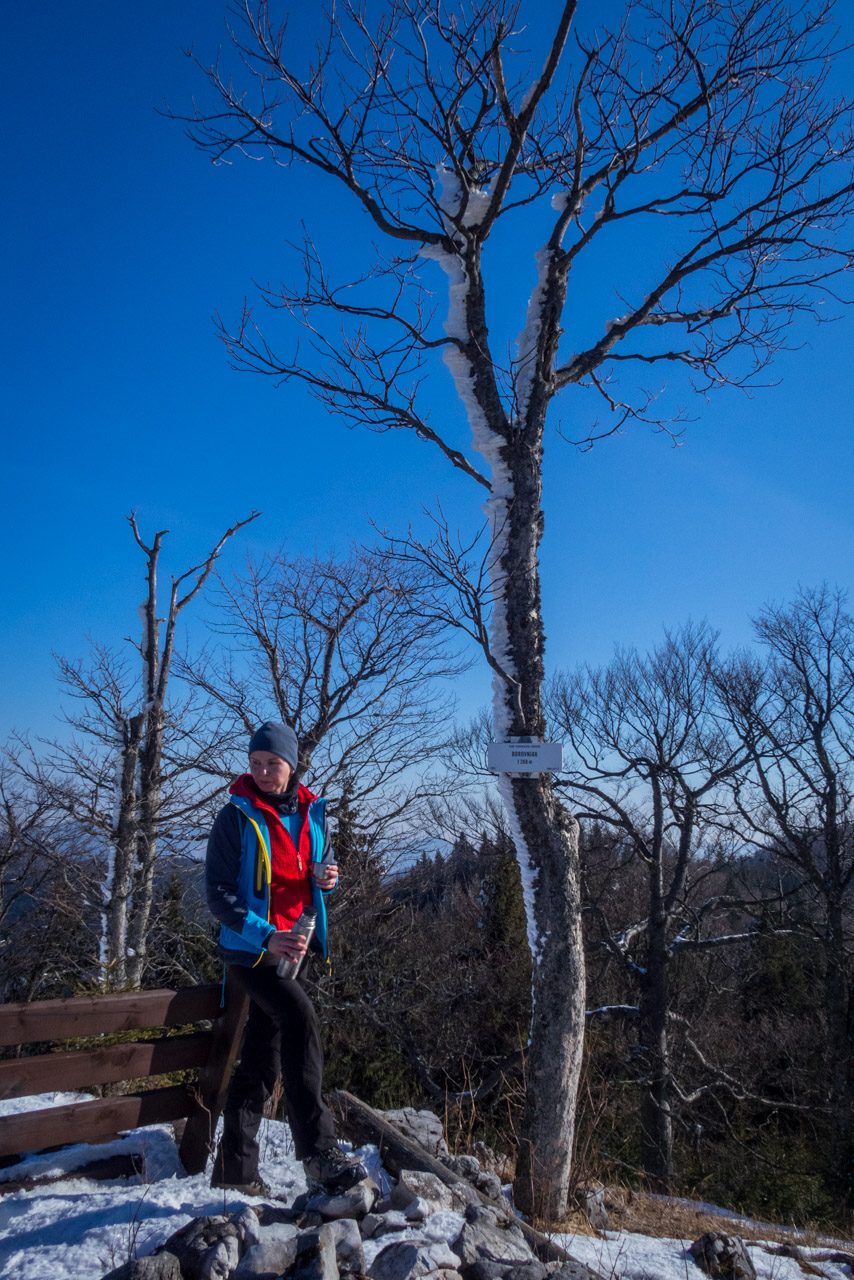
(211, 1052)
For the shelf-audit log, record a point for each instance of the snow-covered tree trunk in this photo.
(546, 841)
(150, 787)
(156, 669)
(117, 887)
(549, 849)
(545, 836)
(148, 831)
(656, 1114)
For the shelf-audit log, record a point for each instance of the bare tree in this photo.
(47, 937)
(794, 713)
(650, 759)
(110, 779)
(334, 648)
(703, 131)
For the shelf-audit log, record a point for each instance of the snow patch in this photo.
(79, 1229)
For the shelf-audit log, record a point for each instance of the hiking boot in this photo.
(255, 1188)
(333, 1170)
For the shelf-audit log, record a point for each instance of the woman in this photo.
(264, 866)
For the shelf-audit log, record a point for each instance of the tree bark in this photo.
(837, 1003)
(656, 1117)
(544, 1157)
(118, 884)
(547, 844)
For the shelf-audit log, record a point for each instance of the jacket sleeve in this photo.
(319, 853)
(222, 880)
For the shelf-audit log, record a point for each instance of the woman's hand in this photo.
(326, 875)
(289, 946)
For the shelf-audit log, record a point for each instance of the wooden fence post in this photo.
(214, 1079)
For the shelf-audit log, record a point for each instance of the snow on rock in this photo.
(80, 1228)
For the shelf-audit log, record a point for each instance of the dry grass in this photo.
(635, 1211)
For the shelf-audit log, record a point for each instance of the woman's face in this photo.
(270, 772)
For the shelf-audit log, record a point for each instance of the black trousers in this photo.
(282, 1035)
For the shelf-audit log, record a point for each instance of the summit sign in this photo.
(522, 755)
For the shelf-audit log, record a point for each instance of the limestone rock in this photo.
(465, 1166)
(723, 1257)
(394, 1220)
(409, 1259)
(316, 1259)
(415, 1185)
(482, 1239)
(248, 1227)
(463, 1196)
(158, 1266)
(348, 1245)
(196, 1246)
(220, 1259)
(295, 1214)
(274, 1252)
(591, 1200)
(483, 1270)
(423, 1127)
(489, 1183)
(573, 1270)
(354, 1203)
(418, 1210)
(444, 1225)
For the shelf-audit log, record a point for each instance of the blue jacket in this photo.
(238, 873)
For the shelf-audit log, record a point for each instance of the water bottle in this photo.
(303, 928)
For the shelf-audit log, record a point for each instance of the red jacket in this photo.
(290, 886)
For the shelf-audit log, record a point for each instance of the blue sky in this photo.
(122, 242)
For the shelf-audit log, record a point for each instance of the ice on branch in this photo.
(529, 337)
(453, 196)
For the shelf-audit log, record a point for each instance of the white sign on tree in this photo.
(524, 755)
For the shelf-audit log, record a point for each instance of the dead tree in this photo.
(705, 133)
(46, 931)
(794, 713)
(648, 759)
(110, 779)
(332, 647)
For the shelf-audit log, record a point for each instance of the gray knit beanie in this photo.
(278, 738)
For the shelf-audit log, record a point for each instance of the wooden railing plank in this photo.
(104, 1064)
(25, 1023)
(97, 1119)
(123, 1166)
